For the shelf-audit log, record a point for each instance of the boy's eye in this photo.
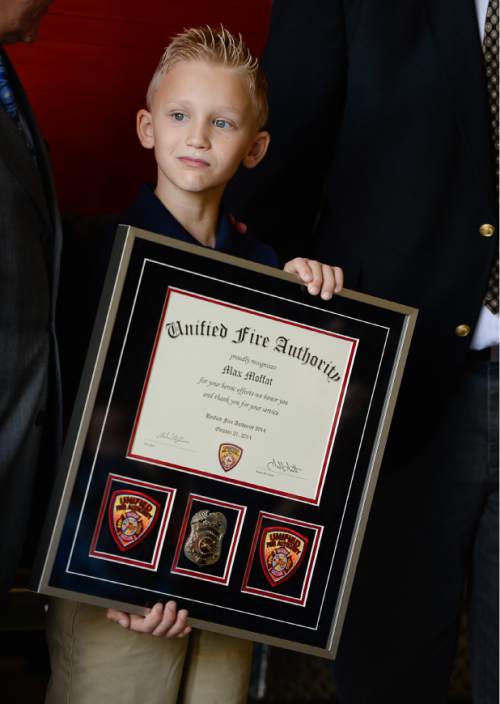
(178, 116)
(219, 122)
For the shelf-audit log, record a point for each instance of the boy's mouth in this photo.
(193, 161)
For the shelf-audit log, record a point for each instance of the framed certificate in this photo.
(225, 444)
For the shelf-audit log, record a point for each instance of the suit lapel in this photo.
(39, 184)
(455, 28)
(18, 158)
(50, 201)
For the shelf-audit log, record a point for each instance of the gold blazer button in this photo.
(487, 230)
(462, 330)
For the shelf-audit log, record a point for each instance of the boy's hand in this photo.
(159, 621)
(319, 278)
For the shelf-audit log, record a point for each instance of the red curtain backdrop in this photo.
(86, 77)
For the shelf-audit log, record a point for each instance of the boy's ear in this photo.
(144, 126)
(257, 150)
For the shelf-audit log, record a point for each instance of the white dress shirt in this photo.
(487, 329)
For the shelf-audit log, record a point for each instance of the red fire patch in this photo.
(281, 552)
(132, 515)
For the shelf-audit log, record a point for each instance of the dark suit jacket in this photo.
(379, 122)
(30, 242)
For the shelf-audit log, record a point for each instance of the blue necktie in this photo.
(6, 95)
(8, 101)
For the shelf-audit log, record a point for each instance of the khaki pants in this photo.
(95, 661)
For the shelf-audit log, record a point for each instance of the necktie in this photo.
(6, 95)
(8, 101)
(490, 50)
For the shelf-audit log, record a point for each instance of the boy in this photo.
(206, 111)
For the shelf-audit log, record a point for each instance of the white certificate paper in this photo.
(242, 397)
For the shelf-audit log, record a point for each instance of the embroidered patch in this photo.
(132, 515)
(229, 456)
(281, 552)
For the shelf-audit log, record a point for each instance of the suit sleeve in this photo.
(305, 64)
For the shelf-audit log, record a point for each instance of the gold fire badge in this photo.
(282, 551)
(132, 515)
(229, 456)
(204, 544)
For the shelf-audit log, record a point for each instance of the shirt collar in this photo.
(148, 212)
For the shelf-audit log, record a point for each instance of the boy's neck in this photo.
(198, 213)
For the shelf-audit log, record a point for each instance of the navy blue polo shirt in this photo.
(149, 213)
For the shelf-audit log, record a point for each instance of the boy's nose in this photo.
(197, 136)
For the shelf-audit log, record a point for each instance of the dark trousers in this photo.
(431, 541)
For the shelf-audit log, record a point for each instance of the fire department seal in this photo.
(132, 515)
(282, 550)
(229, 456)
(204, 544)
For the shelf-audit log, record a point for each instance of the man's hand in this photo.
(159, 621)
(319, 278)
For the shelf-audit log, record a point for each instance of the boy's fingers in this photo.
(147, 623)
(319, 278)
(180, 624)
(168, 619)
(314, 287)
(300, 267)
(159, 621)
(120, 617)
(339, 278)
(333, 281)
(328, 286)
(290, 266)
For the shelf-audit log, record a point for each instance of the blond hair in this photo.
(220, 47)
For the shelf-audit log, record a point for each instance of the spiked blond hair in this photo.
(219, 47)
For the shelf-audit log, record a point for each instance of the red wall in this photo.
(86, 77)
